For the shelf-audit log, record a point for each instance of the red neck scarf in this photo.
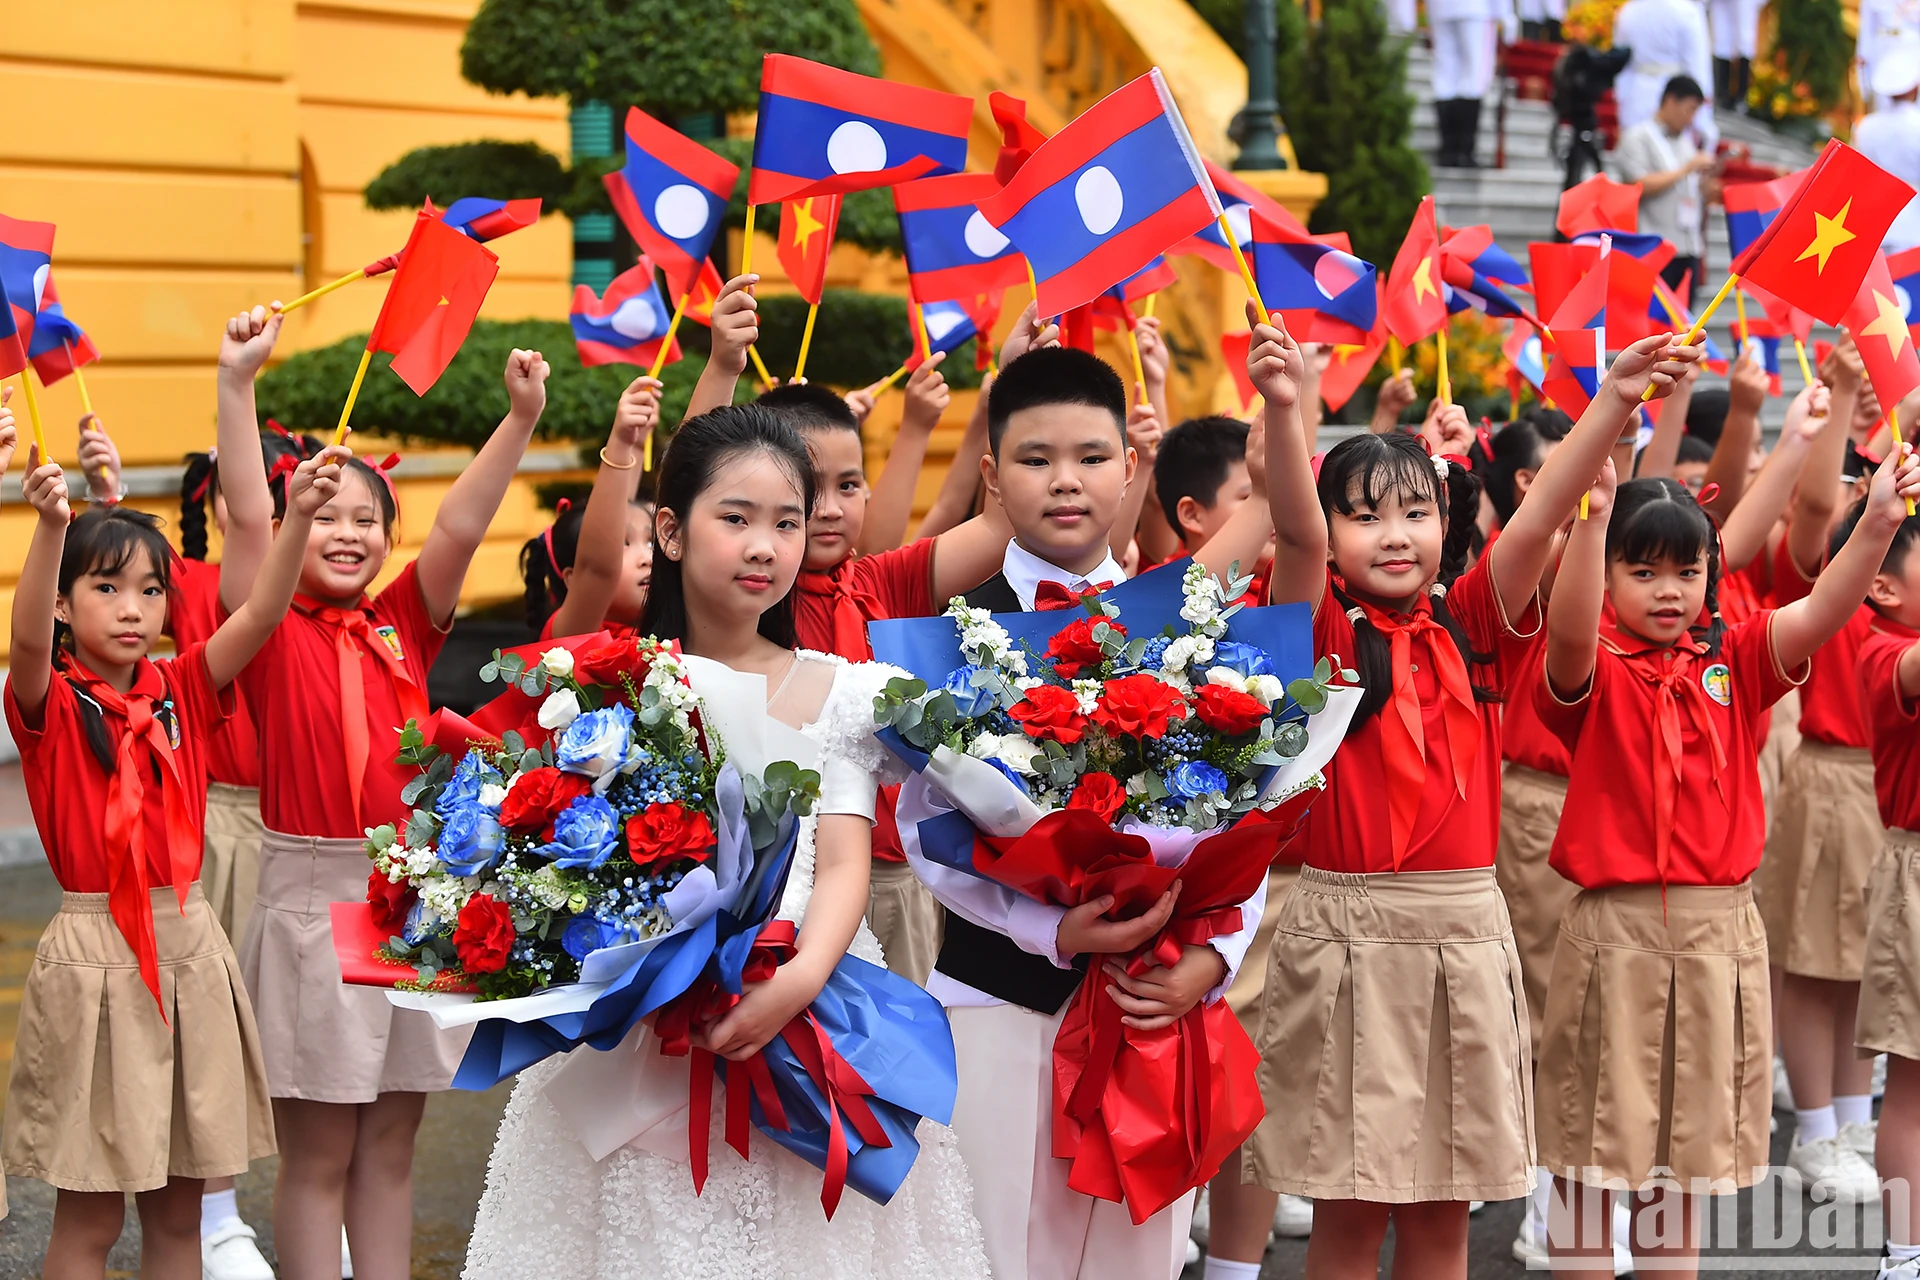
(143, 752)
(1418, 637)
(1671, 672)
(852, 608)
(353, 636)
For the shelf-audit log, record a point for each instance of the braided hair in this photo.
(1364, 471)
(544, 560)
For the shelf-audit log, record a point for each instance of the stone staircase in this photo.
(1519, 200)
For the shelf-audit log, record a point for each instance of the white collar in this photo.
(1025, 572)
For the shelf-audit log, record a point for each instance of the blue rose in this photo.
(584, 835)
(1196, 778)
(596, 742)
(587, 934)
(470, 840)
(969, 697)
(416, 930)
(1247, 659)
(463, 788)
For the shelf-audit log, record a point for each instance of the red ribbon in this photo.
(354, 636)
(853, 607)
(1050, 595)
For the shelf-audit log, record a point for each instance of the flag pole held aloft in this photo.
(313, 295)
(1700, 325)
(806, 341)
(33, 413)
(353, 394)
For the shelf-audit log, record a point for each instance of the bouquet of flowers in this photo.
(1157, 733)
(603, 845)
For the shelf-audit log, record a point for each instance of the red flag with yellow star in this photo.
(1878, 322)
(806, 238)
(1415, 304)
(1817, 252)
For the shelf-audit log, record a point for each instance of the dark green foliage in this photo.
(497, 170)
(1229, 21)
(1816, 47)
(858, 339)
(669, 57)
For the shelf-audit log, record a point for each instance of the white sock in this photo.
(1221, 1269)
(1814, 1124)
(1898, 1253)
(1542, 1193)
(217, 1209)
(1853, 1108)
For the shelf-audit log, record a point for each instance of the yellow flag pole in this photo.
(1806, 371)
(324, 290)
(1393, 353)
(1740, 312)
(353, 394)
(1445, 383)
(79, 382)
(806, 341)
(746, 245)
(666, 344)
(766, 379)
(1893, 424)
(33, 413)
(890, 379)
(1700, 325)
(920, 330)
(1246, 272)
(1151, 299)
(1139, 369)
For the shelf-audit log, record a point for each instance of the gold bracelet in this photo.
(617, 466)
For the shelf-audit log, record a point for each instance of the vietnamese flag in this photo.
(1348, 367)
(806, 240)
(1415, 304)
(1558, 268)
(1598, 204)
(431, 304)
(1817, 253)
(1878, 322)
(1787, 319)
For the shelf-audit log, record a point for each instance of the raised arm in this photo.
(1745, 533)
(31, 660)
(469, 505)
(309, 488)
(1396, 397)
(1579, 586)
(99, 460)
(1143, 437)
(244, 349)
(891, 506)
(954, 503)
(1526, 541)
(1806, 624)
(735, 327)
(597, 554)
(1669, 424)
(1276, 366)
(1244, 536)
(1818, 496)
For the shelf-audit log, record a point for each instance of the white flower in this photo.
(419, 863)
(1018, 754)
(1202, 649)
(491, 794)
(1088, 692)
(1269, 689)
(984, 746)
(1226, 677)
(1137, 785)
(1179, 655)
(1025, 682)
(560, 709)
(558, 662)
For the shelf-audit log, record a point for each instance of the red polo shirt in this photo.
(193, 615)
(68, 787)
(892, 584)
(1895, 721)
(1348, 828)
(1831, 710)
(294, 691)
(1526, 741)
(1607, 830)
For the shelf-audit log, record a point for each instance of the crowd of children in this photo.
(1568, 886)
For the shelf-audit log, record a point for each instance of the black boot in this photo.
(1452, 154)
(1443, 122)
(1722, 80)
(1739, 81)
(1469, 133)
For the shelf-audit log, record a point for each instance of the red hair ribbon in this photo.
(1484, 434)
(199, 493)
(1708, 492)
(1459, 460)
(274, 426)
(560, 509)
(284, 465)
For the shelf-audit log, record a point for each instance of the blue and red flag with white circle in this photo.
(1238, 201)
(59, 345)
(26, 261)
(824, 131)
(672, 195)
(626, 326)
(951, 248)
(1323, 293)
(480, 218)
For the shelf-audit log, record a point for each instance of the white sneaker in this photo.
(1199, 1231)
(1193, 1252)
(1908, 1270)
(1622, 1238)
(1294, 1218)
(346, 1257)
(1530, 1246)
(1860, 1137)
(1782, 1091)
(1879, 1087)
(1831, 1164)
(232, 1252)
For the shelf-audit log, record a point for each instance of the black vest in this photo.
(990, 961)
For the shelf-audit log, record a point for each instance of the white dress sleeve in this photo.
(853, 763)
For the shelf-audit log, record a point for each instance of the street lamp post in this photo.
(1260, 119)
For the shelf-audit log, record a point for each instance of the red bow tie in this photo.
(1056, 595)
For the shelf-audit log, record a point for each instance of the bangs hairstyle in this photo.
(804, 407)
(1048, 376)
(1362, 472)
(376, 481)
(105, 540)
(1658, 519)
(700, 448)
(1193, 463)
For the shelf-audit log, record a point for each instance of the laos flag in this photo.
(482, 219)
(13, 344)
(672, 195)
(948, 325)
(625, 327)
(1905, 269)
(1752, 206)
(1323, 294)
(952, 250)
(824, 131)
(1579, 331)
(26, 260)
(1101, 198)
(59, 345)
(1238, 203)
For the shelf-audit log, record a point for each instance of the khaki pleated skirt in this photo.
(230, 867)
(1536, 894)
(1393, 1042)
(1658, 1046)
(106, 1094)
(1889, 1016)
(1243, 994)
(326, 1041)
(1821, 845)
(1783, 739)
(905, 918)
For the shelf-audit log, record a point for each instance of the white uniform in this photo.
(1543, 10)
(1736, 27)
(1403, 17)
(1465, 35)
(1668, 39)
(1884, 24)
(1890, 138)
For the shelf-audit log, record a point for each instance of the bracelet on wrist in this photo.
(617, 466)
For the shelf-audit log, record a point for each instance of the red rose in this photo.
(483, 935)
(537, 797)
(1074, 650)
(667, 833)
(1048, 711)
(606, 663)
(1100, 792)
(1228, 711)
(1138, 707)
(391, 901)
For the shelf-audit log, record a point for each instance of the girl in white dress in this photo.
(735, 492)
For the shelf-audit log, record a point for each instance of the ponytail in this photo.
(544, 559)
(196, 495)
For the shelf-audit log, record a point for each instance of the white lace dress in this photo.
(551, 1210)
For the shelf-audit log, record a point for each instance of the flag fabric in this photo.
(807, 225)
(1671, 314)
(59, 345)
(1878, 324)
(1526, 360)
(1416, 302)
(626, 326)
(824, 131)
(483, 219)
(13, 343)
(26, 261)
(1238, 202)
(1752, 206)
(1101, 198)
(951, 248)
(1348, 367)
(1019, 137)
(1816, 254)
(949, 324)
(1233, 350)
(1475, 247)
(1558, 268)
(1655, 251)
(1323, 295)
(1579, 331)
(1112, 309)
(1598, 204)
(436, 293)
(1787, 319)
(705, 292)
(672, 195)
(1764, 338)
(1904, 268)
